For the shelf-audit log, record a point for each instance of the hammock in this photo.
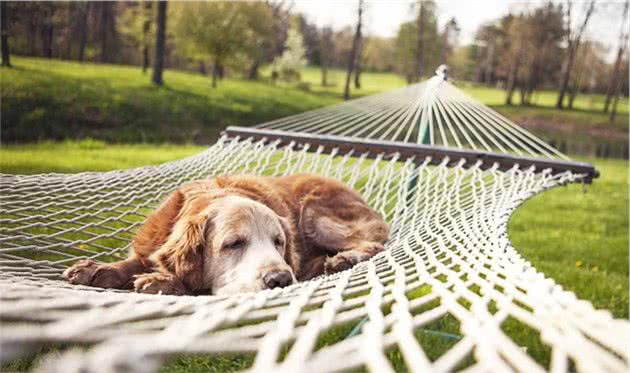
(449, 293)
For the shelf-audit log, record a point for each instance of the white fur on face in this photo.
(241, 269)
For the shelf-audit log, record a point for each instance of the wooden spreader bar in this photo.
(407, 150)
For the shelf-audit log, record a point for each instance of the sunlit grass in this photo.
(578, 239)
(55, 100)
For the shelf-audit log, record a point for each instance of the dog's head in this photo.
(223, 243)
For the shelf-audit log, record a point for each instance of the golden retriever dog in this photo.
(241, 234)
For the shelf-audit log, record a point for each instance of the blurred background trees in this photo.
(539, 47)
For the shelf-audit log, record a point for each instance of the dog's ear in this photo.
(290, 255)
(183, 253)
(159, 225)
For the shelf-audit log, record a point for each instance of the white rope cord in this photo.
(448, 293)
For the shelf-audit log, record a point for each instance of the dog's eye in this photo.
(235, 245)
(279, 241)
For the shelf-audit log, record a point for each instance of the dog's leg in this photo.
(118, 275)
(160, 283)
(347, 258)
(346, 241)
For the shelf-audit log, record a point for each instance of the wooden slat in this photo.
(408, 150)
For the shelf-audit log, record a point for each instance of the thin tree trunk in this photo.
(353, 53)
(4, 32)
(487, 76)
(511, 84)
(83, 32)
(104, 56)
(565, 78)
(324, 75)
(574, 45)
(146, 27)
(215, 73)
(623, 40)
(357, 76)
(160, 39)
(253, 70)
(357, 67)
(47, 32)
(420, 50)
(613, 111)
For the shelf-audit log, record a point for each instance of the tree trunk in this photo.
(487, 76)
(4, 32)
(146, 27)
(104, 23)
(565, 78)
(324, 75)
(160, 39)
(83, 28)
(613, 111)
(574, 45)
(420, 50)
(215, 73)
(220, 71)
(357, 76)
(623, 40)
(253, 70)
(353, 53)
(47, 32)
(511, 83)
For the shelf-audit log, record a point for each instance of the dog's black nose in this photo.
(278, 279)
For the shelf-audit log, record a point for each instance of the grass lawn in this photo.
(579, 239)
(55, 100)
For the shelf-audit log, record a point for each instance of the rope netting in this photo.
(449, 293)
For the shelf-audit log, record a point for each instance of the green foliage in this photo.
(407, 44)
(224, 32)
(290, 64)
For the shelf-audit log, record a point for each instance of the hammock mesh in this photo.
(449, 277)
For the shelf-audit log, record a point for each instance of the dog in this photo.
(244, 233)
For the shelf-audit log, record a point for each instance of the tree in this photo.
(326, 50)
(292, 60)
(219, 31)
(516, 32)
(259, 22)
(83, 28)
(573, 43)
(420, 41)
(614, 76)
(146, 29)
(407, 44)
(353, 52)
(449, 37)
(4, 30)
(160, 41)
(358, 65)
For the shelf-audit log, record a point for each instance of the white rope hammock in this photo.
(449, 272)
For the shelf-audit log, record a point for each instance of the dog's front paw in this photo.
(90, 273)
(159, 283)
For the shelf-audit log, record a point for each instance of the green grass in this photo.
(54, 100)
(49, 99)
(578, 239)
(87, 155)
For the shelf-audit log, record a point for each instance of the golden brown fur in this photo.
(244, 233)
